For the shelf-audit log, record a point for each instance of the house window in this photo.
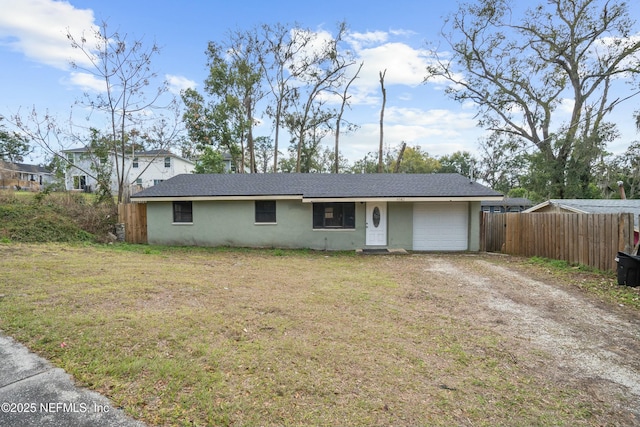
(334, 215)
(139, 181)
(182, 212)
(135, 162)
(167, 162)
(79, 182)
(157, 181)
(266, 211)
(71, 158)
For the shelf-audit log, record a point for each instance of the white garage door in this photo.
(440, 226)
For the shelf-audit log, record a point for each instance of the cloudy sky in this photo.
(391, 36)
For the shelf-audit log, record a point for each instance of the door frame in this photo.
(376, 235)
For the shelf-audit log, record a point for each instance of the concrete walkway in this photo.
(35, 393)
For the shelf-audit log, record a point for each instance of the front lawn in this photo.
(269, 337)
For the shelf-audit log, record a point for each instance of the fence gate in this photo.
(134, 217)
(493, 228)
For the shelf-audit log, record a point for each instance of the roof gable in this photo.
(592, 205)
(317, 186)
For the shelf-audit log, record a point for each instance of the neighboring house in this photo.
(425, 212)
(591, 206)
(229, 166)
(142, 169)
(24, 176)
(506, 205)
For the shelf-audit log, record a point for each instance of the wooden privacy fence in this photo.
(134, 217)
(588, 239)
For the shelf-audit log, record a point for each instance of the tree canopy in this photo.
(521, 71)
(13, 146)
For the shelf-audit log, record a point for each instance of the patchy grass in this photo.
(194, 336)
(603, 284)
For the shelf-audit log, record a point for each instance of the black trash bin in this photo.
(628, 269)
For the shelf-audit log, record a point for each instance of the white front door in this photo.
(376, 224)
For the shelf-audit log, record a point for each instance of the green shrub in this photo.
(55, 217)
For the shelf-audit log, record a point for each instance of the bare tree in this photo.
(384, 101)
(320, 70)
(126, 101)
(280, 69)
(344, 97)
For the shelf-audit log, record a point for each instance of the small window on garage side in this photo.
(266, 211)
(182, 212)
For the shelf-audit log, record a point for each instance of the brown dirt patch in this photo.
(579, 340)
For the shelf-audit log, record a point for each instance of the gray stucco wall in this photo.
(400, 225)
(474, 226)
(231, 223)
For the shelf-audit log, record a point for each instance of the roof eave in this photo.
(401, 199)
(144, 199)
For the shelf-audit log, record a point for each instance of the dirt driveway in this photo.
(582, 342)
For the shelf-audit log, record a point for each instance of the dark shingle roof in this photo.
(25, 168)
(318, 186)
(509, 201)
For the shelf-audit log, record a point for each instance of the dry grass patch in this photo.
(210, 337)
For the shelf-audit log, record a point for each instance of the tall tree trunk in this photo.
(250, 145)
(344, 102)
(400, 154)
(384, 101)
(275, 142)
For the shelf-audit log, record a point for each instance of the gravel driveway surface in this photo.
(582, 342)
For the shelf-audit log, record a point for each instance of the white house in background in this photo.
(142, 169)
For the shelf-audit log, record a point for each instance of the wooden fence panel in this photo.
(134, 217)
(587, 239)
(492, 232)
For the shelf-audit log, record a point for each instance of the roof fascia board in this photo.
(571, 208)
(316, 199)
(399, 199)
(212, 198)
(537, 207)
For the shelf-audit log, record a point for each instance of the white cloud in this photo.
(178, 83)
(38, 28)
(358, 40)
(439, 132)
(87, 82)
(435, 118)
(404, 64)
(566, 106)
